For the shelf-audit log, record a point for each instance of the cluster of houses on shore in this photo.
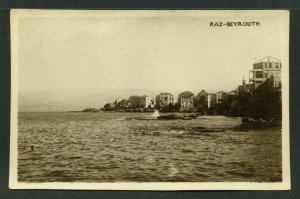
(264, 80)
(185, 102)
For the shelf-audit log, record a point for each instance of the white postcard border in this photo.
(13, 181)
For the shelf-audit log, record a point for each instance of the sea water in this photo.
(118, 147)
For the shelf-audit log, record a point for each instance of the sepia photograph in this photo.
(150, 100)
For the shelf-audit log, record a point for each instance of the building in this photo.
(145, 101)
(219, 96)
(266, 68)
(153, 102)
(203, 101)
(124, 103)
(210, 100)
(134, 101)
(186, 101)
(164, 99)
(139, 101)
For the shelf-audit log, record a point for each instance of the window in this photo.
(258, 66)
(258, 74)
(266, 75)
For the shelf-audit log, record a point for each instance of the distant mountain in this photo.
(68, 100)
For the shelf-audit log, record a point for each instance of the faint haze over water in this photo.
(63, 58)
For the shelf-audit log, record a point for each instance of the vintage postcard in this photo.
(150, 100)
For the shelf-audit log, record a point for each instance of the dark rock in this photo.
(169, 117)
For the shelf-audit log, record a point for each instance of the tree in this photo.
(108, 107)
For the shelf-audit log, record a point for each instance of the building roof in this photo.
(202, 92)
(186, 93)
(133, 96)
(166, 93)
(268, 59)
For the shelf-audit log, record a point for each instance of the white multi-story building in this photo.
(266, 68)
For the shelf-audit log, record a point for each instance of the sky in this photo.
(94, 54)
